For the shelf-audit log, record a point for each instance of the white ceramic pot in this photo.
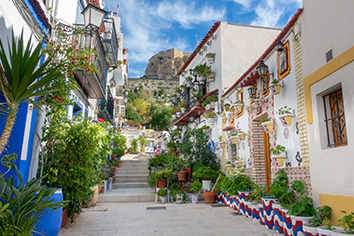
(207, 185)
(327, 232)
(163, 199)
(298, 222)
(179, 198)
(310, 230)
(194, 197)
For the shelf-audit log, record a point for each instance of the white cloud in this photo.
(147, 25)
(245, 3)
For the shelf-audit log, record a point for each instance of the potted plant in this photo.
(242, 135)
(256, 198)
(275, 87)
(226, 106)
(119, 163)
(162, 193)
(228, 165)
(322, 213)
(244, 186)
(281, 191)
(279, 153)
(206, 175)
(238, 162)
(181, 174)
(199, 69)
(210, 58)
(301, 210)
(258, 102)
(189, 81)
(347, 222)
(210, 100)
(285, 115)
(239, 106)
(234, 137)
(162, 177)
(249, 109)
(268, 125)
(183, 106)
(224, 118)
(195, 189)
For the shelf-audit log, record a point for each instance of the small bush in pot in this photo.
(323, 213)
(347, 222)
(303, 204)
(280, 188)
(205, 173)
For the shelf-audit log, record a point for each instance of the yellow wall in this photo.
(332, 66)
(338, 203)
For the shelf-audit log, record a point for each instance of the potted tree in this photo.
(275, 87)
(285, 115)
(206, 175)
(279, 153)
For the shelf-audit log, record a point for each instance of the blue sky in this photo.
(150, 26)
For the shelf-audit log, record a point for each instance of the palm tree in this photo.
(22, 79)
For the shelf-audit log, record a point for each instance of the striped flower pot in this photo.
(309, 231)
(261, 215)
(287, 224)
(243, 196)
(255, 212)
(298, 222)
(268, 211)
(248, 209)
(278, 218)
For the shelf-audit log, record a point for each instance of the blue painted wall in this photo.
(16, 138)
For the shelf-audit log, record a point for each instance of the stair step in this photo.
(131, 180)
(127, 195)
(131, 185)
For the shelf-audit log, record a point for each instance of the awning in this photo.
(250, 79)
(196, 111)
(228, 128)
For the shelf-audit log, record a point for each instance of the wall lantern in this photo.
(252, 91)
(93, 16)
(280, 46)
(262, 69)
(125, 100)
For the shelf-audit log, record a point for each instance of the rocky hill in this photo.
(161, 72)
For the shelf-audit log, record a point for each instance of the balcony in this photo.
(110, 42)
(95, 84)
(106, 108)
(191, 110)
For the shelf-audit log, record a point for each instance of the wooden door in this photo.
(267, 159)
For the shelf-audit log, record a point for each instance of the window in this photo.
(335, 119)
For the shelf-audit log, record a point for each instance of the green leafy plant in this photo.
(135, 145)
(322, 213)
(284, 110)
(142, 142)
(205, 173)
(211, 115)
(227, 106)
(280, 188)
(189, 78)
(228, 163)
(347, 222)
(212, 98)
(279, 149)
(275, 81)
(20, 84)
(196, 186)
(162, 192)
(210, 54)
(258, 193)
(23, 206)
(302, 205)
(164, 175)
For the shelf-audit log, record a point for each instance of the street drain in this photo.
(235, 213)
(156, 208)
(217, 205)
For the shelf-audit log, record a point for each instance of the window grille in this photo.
(335, 119)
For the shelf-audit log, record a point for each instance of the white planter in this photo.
(207, 107)
(179, 198)
(212, 104)
(326, 232)
(194, 197)
(280, 158)
(298, 222)
(179, 114)
(163, 199)
(207, 185)
(174, 117)
(183, 110)
(210, 60)
(309, 229)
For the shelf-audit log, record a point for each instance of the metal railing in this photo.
(110, 42)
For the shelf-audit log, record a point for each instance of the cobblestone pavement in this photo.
(177, 219)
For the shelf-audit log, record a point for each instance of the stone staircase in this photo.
(131, 183)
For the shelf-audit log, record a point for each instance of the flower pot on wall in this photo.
(268, 126)
(212, 104)
(242, 136)
(211, 78)
(280, 158)
(235, 139)
(275, 89)
(125, 50)
(285, 119)
(183, 110)
(224, 120)
(210, 60)
(258, 102)
(174, 117)
(179, 114)
(223, 144)
(249, 109)
(228, 166)
(239, 107)
(125, 61)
